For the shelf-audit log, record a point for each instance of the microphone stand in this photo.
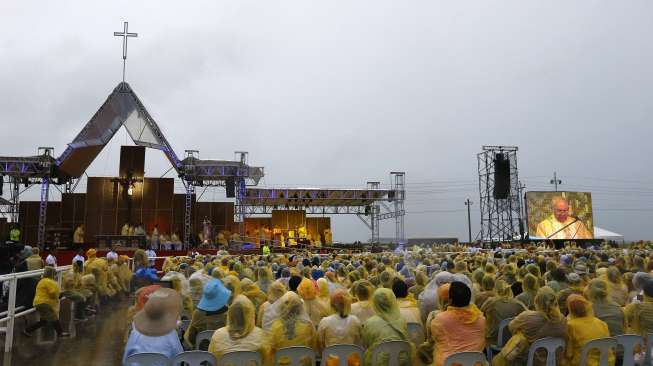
(576, 219)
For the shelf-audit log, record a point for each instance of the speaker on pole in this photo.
(231, 187)
(501, 176)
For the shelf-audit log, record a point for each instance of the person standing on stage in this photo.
(560, 224)
(139, 231)
(155, 237)
(78, 236)
(125, 229)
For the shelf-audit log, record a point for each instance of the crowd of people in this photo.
(459, 295)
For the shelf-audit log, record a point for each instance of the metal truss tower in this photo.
(45, 153)
(241, 187)
(375, 210)
(500, 218)
(190, 195)
(399, 188)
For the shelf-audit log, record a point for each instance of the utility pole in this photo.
(469, 204)
(522, 209)
(555, 181)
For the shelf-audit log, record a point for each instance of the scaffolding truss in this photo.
(371, 204)
(500, 218)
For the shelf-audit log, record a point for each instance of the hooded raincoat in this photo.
(240, 334)
(386, 325)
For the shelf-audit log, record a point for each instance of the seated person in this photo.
(211, 311)
(240, 334)
(465, 318)
(155, 326)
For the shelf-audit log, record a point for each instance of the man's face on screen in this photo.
(561, 210)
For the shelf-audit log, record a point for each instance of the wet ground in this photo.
(98, 342)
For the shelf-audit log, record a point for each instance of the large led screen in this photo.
(559, 215)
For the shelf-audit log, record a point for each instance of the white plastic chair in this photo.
(147, 359)
(628, 342)
(466, 359)
(647, 344)
(202, 337)
(194, 358)
(241, 358)
(551, 345)
(342, 351)
(416, 333)
(503, 336)
(296, 355)
(393, 349)
(603, 345)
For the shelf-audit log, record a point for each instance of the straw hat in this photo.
(160, 313)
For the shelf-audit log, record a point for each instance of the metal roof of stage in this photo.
(213, 171)
(122, 108)
(315, 197)
(27, 166)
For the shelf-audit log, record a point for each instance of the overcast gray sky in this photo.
(336, 93)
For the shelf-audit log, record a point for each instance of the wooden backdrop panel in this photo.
(288, 219)
(132, 158)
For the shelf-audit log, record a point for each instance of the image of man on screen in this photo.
(561, 225)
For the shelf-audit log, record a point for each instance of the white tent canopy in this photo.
(600, 233)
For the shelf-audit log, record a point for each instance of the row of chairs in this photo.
(416, 336)
(628, 341)
(296, 356)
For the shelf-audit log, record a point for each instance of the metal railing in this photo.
(13, 312)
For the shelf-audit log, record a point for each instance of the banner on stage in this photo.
(559, 215)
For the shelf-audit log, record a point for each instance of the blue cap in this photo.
(214, 296)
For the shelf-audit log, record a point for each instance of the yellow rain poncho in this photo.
(240, 333)
(583, 327)
(293, 327)
(530, 286)
(99, 267)
(180, 284)
(253, 293)
(362, 309)
(315, 309)
(196, 288)
(269, 311)
(545, 321)
(604, 308)
(339, 328)
(500, 307)
(46, 298)
(124, 273)
(639, 317)
(386, 325)
(233, 284)
(323, 295)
